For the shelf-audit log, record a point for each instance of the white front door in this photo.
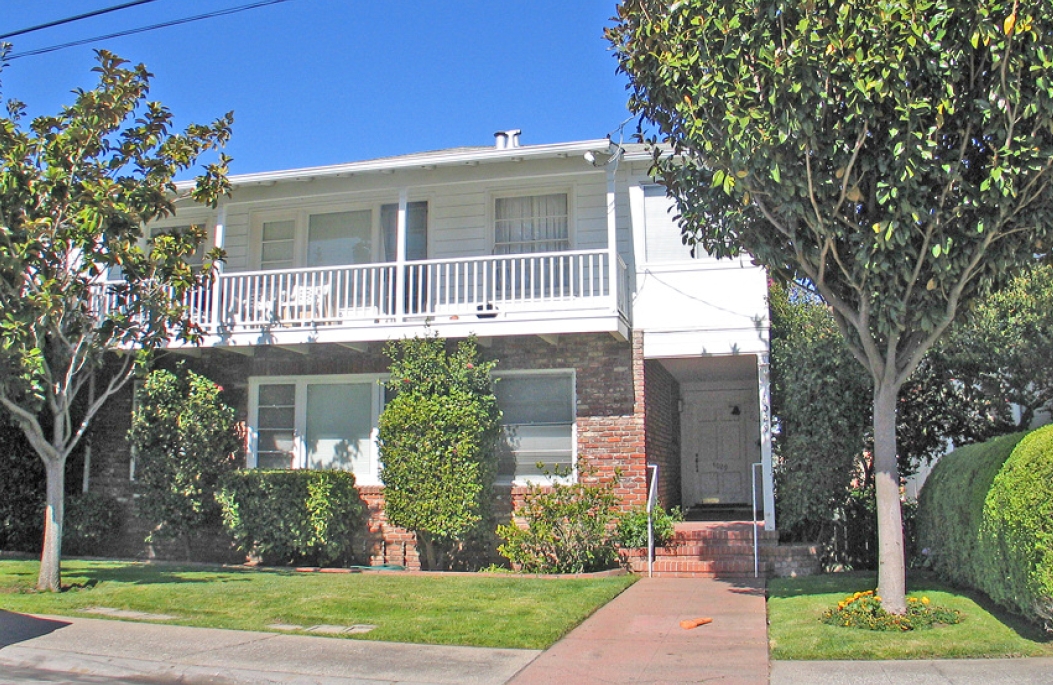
(715, 454)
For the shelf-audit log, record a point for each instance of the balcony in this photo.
(541, 293)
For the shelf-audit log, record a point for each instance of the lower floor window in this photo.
(315, 422)
(538, 417)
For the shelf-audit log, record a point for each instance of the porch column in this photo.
(400, 256)
(612, 236)
(767, 472)
(214, 293)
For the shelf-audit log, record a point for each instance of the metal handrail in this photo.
(756, 540)
(651, 495)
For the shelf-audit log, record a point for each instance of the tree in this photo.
(1003, 348)
(437, 443)
(76, 189)
(183, 434)
(893, 156)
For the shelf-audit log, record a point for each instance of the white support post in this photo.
(767, 470)
(612, 236)
(218, 240)
(400, 256)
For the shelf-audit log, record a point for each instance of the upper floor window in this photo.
(663, 242)
(531, 223)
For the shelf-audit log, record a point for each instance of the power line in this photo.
(70, 20)
(144, 29)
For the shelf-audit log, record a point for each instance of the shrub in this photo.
(631, 527)
(184, 437)
(1016, 534)
(951, 506)
(299, 516)
(92, 523)
(568, 527)
(864, 610)
(437, 445)
(22, 488)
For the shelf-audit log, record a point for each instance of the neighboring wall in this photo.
(662, 397)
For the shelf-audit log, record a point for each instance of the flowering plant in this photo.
(864, 610)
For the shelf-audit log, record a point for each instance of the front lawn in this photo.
(512, 611)
(795, 631)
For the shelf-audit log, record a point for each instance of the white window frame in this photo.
(301, 217)
(547, 480)
(369, 477)
(513, 193)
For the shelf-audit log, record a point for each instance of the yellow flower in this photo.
(924, 600)
(912, 599)
(857, 595)
(878, 599)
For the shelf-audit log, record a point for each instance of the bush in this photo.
(184, 437)
(286, 517)
(951, 506)
(631, 528)
(1016, 535)
(569, 528)
(93, 522)
(437, 446)
(22, 491)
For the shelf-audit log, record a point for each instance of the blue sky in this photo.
(316, 82)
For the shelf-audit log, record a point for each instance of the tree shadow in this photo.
(15, 628)
(150, 574)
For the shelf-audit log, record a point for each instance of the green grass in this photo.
(795, 631)
(512, 611)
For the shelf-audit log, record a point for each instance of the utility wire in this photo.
(144, 29)
(70, 20)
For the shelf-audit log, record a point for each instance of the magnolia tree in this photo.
(76, 189)
(893, 156)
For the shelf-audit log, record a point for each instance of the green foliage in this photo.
(951, 508)
(1016, 535)
(568, 527)
(631, 526)
(286, 517)
(864, 610)
(76, 189)
(1003, 347)
(93, 523)
(894, 156)
(437, 444)
(183, 434)
(22, 486)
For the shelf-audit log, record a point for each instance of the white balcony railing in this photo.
(476, 287)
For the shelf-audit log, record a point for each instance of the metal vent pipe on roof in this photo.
(504, 140)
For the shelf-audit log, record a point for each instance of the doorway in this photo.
(720, 441)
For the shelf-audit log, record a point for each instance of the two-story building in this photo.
(616, 346)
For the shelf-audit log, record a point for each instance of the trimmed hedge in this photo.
(287, 517)
(92, 524)
(1016, 536)
(985, 520)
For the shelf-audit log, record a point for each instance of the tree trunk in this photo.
(892, 579)
(50, 578)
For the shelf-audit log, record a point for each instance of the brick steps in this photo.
(723, 550)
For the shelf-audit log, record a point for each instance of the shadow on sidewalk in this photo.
(15, 628)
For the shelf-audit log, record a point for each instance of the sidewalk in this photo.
(115, 649)
(1032, 671)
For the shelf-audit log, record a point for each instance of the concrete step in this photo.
(680, 568)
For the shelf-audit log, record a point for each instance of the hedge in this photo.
(1016, 536)
(299, 516)
(985, 520)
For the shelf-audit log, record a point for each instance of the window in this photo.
(339, 238)
(533, 223)
(416, 230)
(278, 244)
(539, 423)
(662, 233)
(315, 422)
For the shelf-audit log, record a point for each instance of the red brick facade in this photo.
(615, 428)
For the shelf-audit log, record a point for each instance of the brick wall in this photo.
(662, 419)
(611, 435)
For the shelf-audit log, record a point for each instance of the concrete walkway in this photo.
(119, 650)
(637, 638)
(1033, 671)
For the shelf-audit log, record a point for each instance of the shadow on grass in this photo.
(917, 581)
(16, 628)
(86, 578)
